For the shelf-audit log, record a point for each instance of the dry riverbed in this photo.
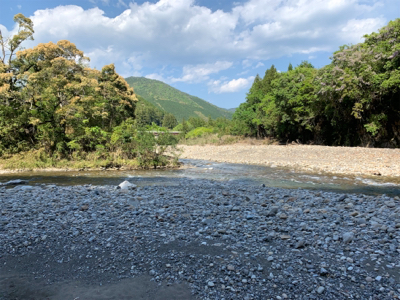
(336, 160)
(199, 239)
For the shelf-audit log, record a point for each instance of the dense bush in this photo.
(352, 101)
(198, 132)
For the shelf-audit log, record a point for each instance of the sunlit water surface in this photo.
(200, 169)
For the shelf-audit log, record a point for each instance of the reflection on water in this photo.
(274, 177)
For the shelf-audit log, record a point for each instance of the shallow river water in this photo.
(199, 169)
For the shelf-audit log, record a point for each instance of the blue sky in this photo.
(210, 49)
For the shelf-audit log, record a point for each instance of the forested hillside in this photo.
(171, 100)
(355, 100)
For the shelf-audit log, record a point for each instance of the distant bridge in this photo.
(157, 133)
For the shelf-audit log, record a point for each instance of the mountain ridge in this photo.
(172, 100)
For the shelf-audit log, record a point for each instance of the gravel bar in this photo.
(309, 158)
(198, 239)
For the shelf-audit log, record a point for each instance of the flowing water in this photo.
(199, 169)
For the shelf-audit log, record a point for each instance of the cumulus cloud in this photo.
(201, 42)
(201, 72)
(235, 85)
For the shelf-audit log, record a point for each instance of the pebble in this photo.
(190, 233)
(348, 237)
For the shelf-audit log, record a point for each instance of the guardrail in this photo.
(156, 133)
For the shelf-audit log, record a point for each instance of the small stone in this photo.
(348, 237)
(323, 272)
(285, 237)
(390, 204)
(369, 279)
(300, 244)
(270, 258)
(230, 268)
(210, 284)
(273, 211)
(378, 278)
(126, 185)
(283, 216)
(320, 290)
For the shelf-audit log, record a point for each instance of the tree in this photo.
(250, 113)
(49, 98)
(291, 115)
(11, 44)
(169, 121)
(290, 67)
(361, 87)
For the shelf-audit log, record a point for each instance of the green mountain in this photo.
(171, 100)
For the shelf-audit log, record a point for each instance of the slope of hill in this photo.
(171, 100)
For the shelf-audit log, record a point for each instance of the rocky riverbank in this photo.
(198, 239)
(335, 160)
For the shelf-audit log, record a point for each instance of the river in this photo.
(200, 169)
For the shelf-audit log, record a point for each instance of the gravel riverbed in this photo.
(198, 239)
(309, 158)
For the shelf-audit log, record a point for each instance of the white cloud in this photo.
(156, 77)
(246, 63)
(260, 64)
(4, 31)
(182, 34)
(355, 29)
(201, 72)
(121, 3)
(19, 6)
(235, 85)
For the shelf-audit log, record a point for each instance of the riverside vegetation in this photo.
(353, 101)
(55, 111)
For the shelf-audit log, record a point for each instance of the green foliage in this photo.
(52, 103)
(150, 149)
(169, 121)
(198, 132)
(352, 101)
(146, 113)
(173, 101)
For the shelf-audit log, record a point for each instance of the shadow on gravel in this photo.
(19, 286)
